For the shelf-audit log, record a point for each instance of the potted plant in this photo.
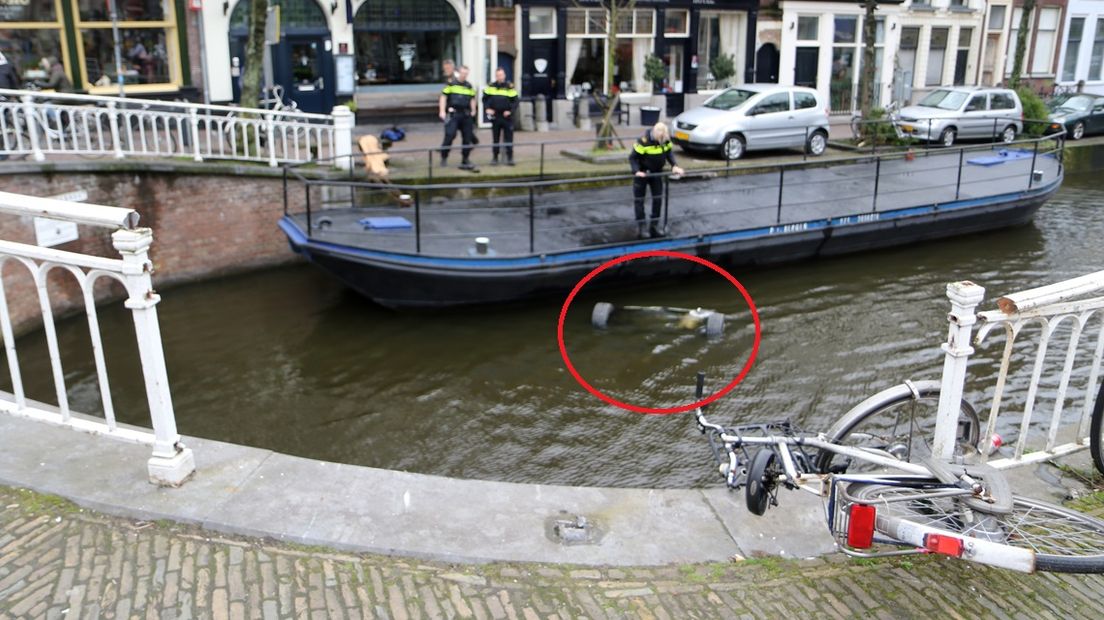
(655, 71)
(722, 67)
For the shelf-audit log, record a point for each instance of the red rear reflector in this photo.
(860, 527)
(947, 545)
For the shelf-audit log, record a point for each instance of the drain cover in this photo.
(568, 529)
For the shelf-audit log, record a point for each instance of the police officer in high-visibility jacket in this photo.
(500, 100)
(456, 107)
(650, 154)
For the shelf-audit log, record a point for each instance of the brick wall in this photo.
(500, 22)
(203, 226)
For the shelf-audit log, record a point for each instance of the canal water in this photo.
(289, 360)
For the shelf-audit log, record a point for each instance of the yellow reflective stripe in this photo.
(504, 92)
(457, 89)
(652, 149)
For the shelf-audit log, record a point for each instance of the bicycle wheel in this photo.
(899, 423)
(1064, 540)
(1096, 439)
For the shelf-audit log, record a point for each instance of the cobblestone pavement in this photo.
(58, 561)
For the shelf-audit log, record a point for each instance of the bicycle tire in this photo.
(1096, 441)
(1064, 540)
(867, 415)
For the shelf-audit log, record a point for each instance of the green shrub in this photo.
(722, 67)
(1033, 110)
(654, 69)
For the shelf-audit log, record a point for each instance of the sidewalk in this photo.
(58, 561)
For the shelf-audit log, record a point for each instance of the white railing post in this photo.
(193, 118)
(113, 120)
(270, 131)
(171, 463)
(32, 127)
(964, 296)
(343, 121)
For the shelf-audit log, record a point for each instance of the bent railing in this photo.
(40, 124)
(171, 462)
(1052, 334)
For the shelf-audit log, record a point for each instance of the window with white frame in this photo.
(937, 52)
(542, 23)
(1097, 61)
(962, 57)
(808, 28)
(635, 32)
(996, 17)
(841, 85)
(676, 23)
(586, 22)
(1073, 48)
(906, 55)
(1046, 35)
(1013, 34)
(635, 23)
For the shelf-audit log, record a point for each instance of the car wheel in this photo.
(947, 138)
(733, 147)
(1009, 134)
(817, 143)
(1078, 131)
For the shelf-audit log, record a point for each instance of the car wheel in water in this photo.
(733, 147)
(817, 143)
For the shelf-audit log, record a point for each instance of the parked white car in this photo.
(754, 117)
(949, 114)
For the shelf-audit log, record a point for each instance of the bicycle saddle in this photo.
(995, 496)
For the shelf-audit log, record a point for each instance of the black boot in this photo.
(641, 229)
(494, 160)
(509, 159)
(656, 230)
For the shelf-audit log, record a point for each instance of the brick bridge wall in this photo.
(206, 222)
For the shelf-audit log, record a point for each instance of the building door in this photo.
(304, 65)
(538, 71)
(766, 64)
(805, 66)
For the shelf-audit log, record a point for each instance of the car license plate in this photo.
(682, 135)
(906, 128)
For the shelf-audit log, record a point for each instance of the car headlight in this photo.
(686, 126)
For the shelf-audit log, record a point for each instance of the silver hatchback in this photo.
(948, 114)
(754, 117)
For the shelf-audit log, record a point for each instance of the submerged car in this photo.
(754, 117)
(1081, 115)
(949, 114)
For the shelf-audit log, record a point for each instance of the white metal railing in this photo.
(1069, 314)
(38, 124)
(171, 462)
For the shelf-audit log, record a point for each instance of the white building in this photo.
(1081, 55)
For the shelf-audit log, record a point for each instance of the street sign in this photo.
(50, 232)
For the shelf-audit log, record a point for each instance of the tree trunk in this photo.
(1021, 43)
(605, 128)
(866, 79)
(255, 50)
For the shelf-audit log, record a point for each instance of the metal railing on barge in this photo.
(854, 186)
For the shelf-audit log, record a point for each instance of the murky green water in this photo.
(289, 360)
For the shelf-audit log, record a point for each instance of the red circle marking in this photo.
(658, 410)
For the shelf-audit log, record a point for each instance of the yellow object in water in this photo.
(693, 319)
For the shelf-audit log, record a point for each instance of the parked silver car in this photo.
(949, 114)
(754, 117)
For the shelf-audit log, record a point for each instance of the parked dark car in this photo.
(1081, 114)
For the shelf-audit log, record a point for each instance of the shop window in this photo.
(404, 41)
(31, 31)
(808, 28)
(676, 23)
(542, 23)
(1073, 48)
(637, 22)
(11, 12)
(146, 28)
(586, 22)
(673, 59)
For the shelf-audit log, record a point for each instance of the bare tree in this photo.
(255, 50)
(1021, 43)
(867, 77)
(614, 9)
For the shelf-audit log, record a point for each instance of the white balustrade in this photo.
(40, 124)
(1069, 313)
(171, 462)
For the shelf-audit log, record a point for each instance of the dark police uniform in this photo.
(649, 156)
(458, 96)
(502, 97)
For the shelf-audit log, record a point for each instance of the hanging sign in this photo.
(49, 232)
(540, 64)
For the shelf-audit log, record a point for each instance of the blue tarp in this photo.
(1000, 157)
(385, 223)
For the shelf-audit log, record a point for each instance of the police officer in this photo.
(650, 154)
(500, 100)
(456, 108)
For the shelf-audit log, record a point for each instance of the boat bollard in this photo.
(482, 245)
